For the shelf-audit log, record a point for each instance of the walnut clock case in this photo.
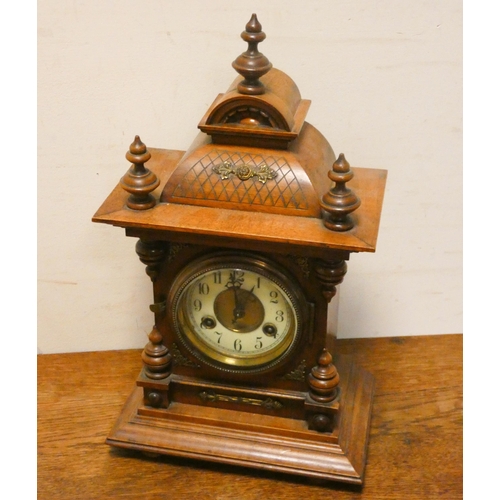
(245, 238)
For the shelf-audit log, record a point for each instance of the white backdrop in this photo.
(385, 80)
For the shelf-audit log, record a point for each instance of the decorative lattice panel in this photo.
(242, 178)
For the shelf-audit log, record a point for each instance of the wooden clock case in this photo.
(258, 182)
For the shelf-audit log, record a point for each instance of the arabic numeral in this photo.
(236, 279)
(237, 345)
(197, 305)
(280, 316)
(274, 297)
(258, 343)
(203, 288)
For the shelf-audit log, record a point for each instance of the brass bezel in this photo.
(245, 261)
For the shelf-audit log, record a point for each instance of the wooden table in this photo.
(415, 448)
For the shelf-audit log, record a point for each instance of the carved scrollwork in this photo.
(303, 264)
(180, 359)
(298, 373)
(174, 249)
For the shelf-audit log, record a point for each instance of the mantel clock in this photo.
(245, 237)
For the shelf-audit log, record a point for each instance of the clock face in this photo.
(238, 311)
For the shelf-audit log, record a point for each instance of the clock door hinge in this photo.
(158, 307)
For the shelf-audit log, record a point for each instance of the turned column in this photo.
(323, 379)
(330, 273)
(152, 254)
(156, 357)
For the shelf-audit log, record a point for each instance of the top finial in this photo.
(252, 64)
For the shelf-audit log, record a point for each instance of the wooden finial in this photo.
(252, 64)
(156, 357)
(139, 181)
(340, 201)
(323, 379)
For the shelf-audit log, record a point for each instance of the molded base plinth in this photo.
(258, 441)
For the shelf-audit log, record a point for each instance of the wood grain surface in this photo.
(192, 223)
(415, 448)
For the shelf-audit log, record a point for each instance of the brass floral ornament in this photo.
(212, 397)
(244, 172)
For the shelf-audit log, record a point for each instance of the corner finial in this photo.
(252, 64)
(323, 379)
(139, 181)
(340, 201)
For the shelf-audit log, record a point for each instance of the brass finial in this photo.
(252, 64)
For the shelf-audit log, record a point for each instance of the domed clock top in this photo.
(262, 107)
(256, 151)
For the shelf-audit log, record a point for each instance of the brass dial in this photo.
(237, 308)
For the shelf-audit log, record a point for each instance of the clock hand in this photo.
(238, 311)
(240, 306)
(248, 295)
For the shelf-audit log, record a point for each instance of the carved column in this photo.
(157, 362)
(156, 357)
(152, 254)
(330, 273)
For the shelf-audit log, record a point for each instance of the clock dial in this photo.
(238, 313)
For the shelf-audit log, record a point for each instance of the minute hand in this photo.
(240, 305)
(238, 311)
